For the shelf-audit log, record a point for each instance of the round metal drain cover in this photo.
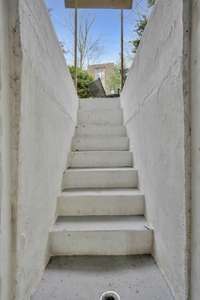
(110, 295)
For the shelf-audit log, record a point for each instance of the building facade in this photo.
(103, 72)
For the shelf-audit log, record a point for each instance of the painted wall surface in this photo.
(47, 120)
(154, 111)
(5, 209)
(195, 93)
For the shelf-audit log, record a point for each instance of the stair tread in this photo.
(101, 111)
(100, 143)
(101, 116)
(82, 100)
(111, 192)
(101, 137)
(101, 169)
(99, 223)
(97, 202)
(116, 140)
(100, 178)
(101, 151)
(101, 125)
(95, 103)
(100, 159)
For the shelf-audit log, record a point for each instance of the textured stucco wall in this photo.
(155, 108)
(195, 93)
(48, 106)
(5, 219)
(4, 195)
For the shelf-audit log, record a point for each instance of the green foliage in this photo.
(141, 24)
(140, 27)
(114, 81)
(83, 81)
(151, 2)
(135, 45)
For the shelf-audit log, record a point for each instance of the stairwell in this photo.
(100, 210)
(101, 240)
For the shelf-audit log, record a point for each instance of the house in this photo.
(103, 72)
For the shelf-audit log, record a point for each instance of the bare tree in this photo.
(88, 47)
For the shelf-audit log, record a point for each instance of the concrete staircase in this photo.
(100, 210)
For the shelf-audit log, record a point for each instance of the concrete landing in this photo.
(86, 278)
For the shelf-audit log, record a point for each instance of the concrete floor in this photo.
(86, 278)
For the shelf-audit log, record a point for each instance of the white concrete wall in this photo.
(5, 208)
(155, 105)
(195, 93)
(48, 111)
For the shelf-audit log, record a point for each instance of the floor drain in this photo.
(110, 295)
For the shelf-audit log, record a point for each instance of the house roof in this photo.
(113, 4)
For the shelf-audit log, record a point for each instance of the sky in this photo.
(106, 28)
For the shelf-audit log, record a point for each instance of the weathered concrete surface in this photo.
(195, 92)
(109, 229)
(5, 206)
(48, 106)
(98, 202)
(100, 159)
(100, 178)
(85, 278)
(155, 109)
(101, 235)
(104, 143)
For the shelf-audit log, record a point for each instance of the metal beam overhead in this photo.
(111, 4)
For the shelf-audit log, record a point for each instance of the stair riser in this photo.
(110, 117)
(99, 104)
(101, 242)
(100, 159)
(92, 130)
(100, 179)
(101, 144)
(101, 205)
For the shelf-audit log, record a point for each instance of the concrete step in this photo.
(101, 103)
(100, 130)
(111, 143)
(101, 117)
(101, 236)
(101, 202)
(100, 178)
(100, 159)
